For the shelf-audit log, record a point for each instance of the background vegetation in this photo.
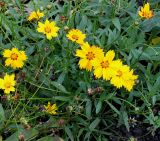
(88, 108)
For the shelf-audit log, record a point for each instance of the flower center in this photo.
(7, 85)
(47, 29)
(90, 55)
(105, 64)
(119, 73)
(14, 56)
(75, 37)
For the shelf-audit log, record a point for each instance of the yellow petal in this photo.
(83, 63)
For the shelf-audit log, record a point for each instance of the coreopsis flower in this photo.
(130, 81)
(145, 11)
(8, 83)
(15, 58)
(35, 15)
(87, 55)
(123, 77)
(103, 66)
(48, 28)
(51, 109)
(121, 74)
(76, 35)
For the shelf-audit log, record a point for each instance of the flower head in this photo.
(123, 76)
(130, 82)
(87, 55)
(51, 109)
(48, 28)
(15, 58)
(35, 15)
(121, 73)
(103, 66)
(145, 11)
(76, 35)
(8, 83)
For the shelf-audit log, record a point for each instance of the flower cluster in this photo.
(48, 28)
(103, 64)
(14, 58)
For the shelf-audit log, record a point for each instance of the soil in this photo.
(141, 132)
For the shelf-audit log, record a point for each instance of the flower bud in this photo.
(136, 23)
(21, 137)
(49, 6)
(66, 28)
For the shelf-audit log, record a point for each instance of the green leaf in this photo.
(94, 124)
(69, 133)
(47, 138)
(116, 23)
(2, 116)
(113, 108)
(30, 134)
(98, 106)
(125, 119)
(62, 98)
(61, 78)
(88, 108)
(155, 87)
(148, 25)
(59, 87)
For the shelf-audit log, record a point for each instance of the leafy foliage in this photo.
(88, 108)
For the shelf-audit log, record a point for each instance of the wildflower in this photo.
(130, 81)
(76, 35)
(15, 58)
(8, 83)
(103, 66)
(145, 12)
(123, 77)
(51, 109)
(87, 55)
(48, 28)
(35, 15)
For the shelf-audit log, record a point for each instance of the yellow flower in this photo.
(130, 82)
(35, 15)
(76, 35)
(51, 109)
(123, 77)
(103, 66)
(15, 58)
(145, 12)
(48, 28)
(8, 83)
(87, 55)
